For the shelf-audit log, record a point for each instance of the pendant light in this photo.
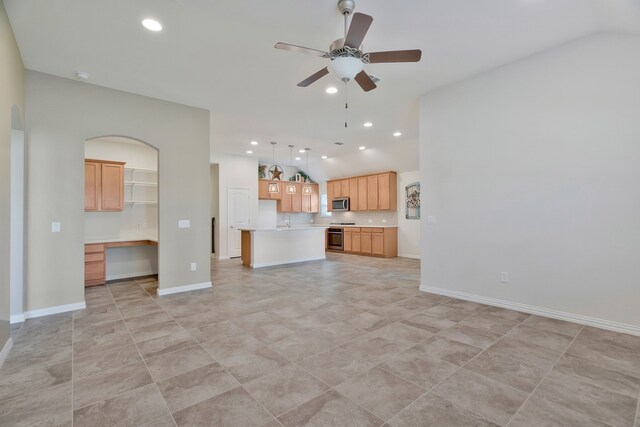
(307, 190)
(290, 187)
(275, 171)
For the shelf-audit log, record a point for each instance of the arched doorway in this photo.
(17, 223)
(121, 213)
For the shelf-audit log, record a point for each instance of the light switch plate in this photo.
(55, 227)
(184, 223)
(194, 266)
(431, 219)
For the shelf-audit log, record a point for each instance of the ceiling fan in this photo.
(346, 55)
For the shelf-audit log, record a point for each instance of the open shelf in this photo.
(142, 183)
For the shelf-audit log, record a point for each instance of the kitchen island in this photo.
(263, 247)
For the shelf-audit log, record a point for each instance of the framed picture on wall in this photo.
(412, 201)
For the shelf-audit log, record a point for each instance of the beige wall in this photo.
(532, 169)
(62, 114)
(11, 94)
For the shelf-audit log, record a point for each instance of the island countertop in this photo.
(293, 228)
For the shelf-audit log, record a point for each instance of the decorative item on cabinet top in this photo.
(373, 192)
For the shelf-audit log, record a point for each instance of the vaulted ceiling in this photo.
(219, 55)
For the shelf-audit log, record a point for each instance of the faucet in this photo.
(287, 220)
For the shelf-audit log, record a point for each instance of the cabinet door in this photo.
(353, 194)
(347, 241)
(377, 243)
(112, 195)
(365, 247)
(345, 188)
(314, 202)
(337, 189)
(263, 189)
(362, 194)
(356, 242)
(280, 193)
(285, 204)
(384, 200)
(91, 186)
(330, 195)
(296, 199)
(372, 193)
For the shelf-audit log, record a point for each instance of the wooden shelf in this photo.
(140, 202)
(141, 183)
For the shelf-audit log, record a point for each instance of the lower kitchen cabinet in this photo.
(371, 241)
(94, 265)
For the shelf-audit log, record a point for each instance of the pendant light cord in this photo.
(346, 104)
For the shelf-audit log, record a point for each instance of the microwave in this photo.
(340, 204)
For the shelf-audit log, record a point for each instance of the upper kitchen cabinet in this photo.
(263, 190)
(300, 202)
(103, 186)
(375, 192)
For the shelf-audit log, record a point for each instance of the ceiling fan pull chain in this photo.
(346, 103)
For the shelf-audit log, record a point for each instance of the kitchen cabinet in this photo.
(371, 241)
(263, 190)
(362, 194)
(330, 195)
(366, 242)
(372, 193)
(367, 193)
(298, 202)
(353, 194)
(103, 186)
(311, 202)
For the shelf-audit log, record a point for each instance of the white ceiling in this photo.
(219, 55)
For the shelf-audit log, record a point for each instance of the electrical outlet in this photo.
(139, 225)
(504, 277)
(55, 227)
(194, 267)
(431, 219)
(184, 223)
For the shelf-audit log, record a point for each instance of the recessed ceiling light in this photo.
(151, 24)
(297, 158)
(397, 134)
(254, 142)
(324, 157)
(301, 151)
(368, 124)
(331, 90)
(362, 147)
(249, 152)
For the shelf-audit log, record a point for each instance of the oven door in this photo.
(335, 239)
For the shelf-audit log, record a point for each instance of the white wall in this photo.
(533, 169)
(215, 203)
(408, 229)
(234, 172)
(62, 115)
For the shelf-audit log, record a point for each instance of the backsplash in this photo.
(360, 218)
(295, 219)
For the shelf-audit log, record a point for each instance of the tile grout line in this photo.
(199, 344)
(142, 357)
(544, 377)
(431, 389)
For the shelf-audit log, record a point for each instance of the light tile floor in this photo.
(345, 342)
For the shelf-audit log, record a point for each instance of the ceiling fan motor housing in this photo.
(346, 6)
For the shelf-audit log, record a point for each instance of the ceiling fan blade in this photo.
(317, 76)
(300, 49)
(395, 56)
(358, 28)
(365, 82)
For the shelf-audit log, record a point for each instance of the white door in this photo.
(239, 217)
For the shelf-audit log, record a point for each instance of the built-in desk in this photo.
(95, 260)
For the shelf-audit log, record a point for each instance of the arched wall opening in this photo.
(17, 224)
(121, 239)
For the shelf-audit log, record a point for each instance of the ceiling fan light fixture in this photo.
(331, 90)
(346, 68)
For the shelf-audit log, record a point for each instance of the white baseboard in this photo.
(222, 258)
(541, 311)
(16, 318)
(54, 310)
(5, 351)
(130, 275)
(409, 256)
(184, 288)
(271, 264)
